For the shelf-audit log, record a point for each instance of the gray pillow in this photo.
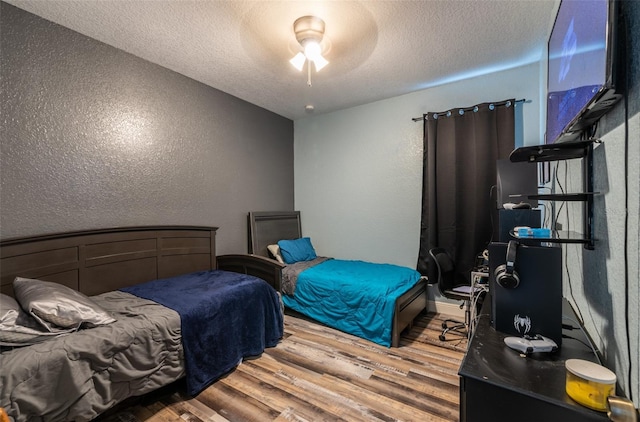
(58, 308)
(17, 328)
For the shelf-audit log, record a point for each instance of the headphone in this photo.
(506, 276)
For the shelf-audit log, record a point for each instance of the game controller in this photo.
(528, 344)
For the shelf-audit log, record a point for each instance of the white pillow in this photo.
(274, 250)
(58, 308)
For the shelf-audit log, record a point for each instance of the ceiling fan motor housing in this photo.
(308, 28)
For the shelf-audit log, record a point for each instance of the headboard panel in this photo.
(268, 227)
(97, 261)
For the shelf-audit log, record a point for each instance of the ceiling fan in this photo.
(309, 32)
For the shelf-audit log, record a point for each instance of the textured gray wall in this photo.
(94, 137)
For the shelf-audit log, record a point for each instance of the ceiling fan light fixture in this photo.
(298, 61)
(312, 50)
(309, 32)
(313, 53)
(320, 62)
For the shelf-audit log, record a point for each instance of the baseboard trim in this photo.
(451, 309)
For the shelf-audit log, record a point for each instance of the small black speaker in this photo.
(515, 181)
(534, 305)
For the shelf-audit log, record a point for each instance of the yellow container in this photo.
(589, 383)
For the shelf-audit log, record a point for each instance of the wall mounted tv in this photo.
(581, 80)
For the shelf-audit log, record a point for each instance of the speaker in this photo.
(515, 181)
(508, 219)
(533, 305)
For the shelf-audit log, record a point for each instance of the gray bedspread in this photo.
(291, 272)
(77, 376)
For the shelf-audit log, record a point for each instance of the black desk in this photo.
(498, 384)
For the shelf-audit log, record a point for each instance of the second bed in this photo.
(370, 300)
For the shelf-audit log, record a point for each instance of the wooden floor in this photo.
(320, 374)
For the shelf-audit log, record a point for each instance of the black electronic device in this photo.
(515, 182)
(532, 305)
(582, 58)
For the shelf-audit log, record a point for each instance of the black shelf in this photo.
(551, 152)
(556, 152)
(558, 236)
(582, 196)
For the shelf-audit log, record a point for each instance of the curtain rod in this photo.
(419, 119)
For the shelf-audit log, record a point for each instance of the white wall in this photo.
(358, 172)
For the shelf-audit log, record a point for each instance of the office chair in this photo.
(448, 280)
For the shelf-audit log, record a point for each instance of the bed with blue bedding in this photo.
(356, 297)
(224, 316)
(374, 301)
(161, 309)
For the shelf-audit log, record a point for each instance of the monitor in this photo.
(581, 80)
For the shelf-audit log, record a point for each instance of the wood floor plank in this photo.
(383, 359)
(233, 404)
(437, 390)
(280, 392)
(309, 388)
(192, 410)
(423, 386)
(161, 413)
(317, 373)
(380, 403)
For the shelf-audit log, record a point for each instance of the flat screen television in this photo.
(581, 80)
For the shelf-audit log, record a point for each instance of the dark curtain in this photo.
(461, 147)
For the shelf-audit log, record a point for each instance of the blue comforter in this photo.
(224, 317)
(353, 296)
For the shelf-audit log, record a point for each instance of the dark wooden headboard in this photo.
(97, 261)
(268, 227)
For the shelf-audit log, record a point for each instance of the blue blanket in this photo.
(224, 317)
(356, 297)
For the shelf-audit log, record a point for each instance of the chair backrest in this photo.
(446, 269)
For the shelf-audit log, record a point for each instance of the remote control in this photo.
(529, 344)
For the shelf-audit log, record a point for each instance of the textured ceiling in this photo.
(376, 49)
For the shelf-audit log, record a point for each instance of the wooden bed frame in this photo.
(97, 261)
(267, 228)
